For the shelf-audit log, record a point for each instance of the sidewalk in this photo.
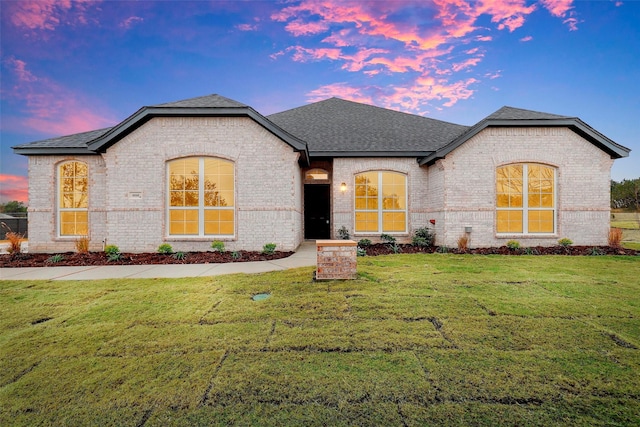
(305, 256)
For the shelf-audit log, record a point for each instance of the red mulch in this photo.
(385, 249)
(99, 258)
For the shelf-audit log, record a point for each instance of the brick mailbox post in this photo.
(337, 259)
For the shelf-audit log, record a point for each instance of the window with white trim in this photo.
(73, 199)
(380, 202)
(526, 199)
(201, 197)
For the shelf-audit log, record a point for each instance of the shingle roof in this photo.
(208, 101)
(75, 141)
(510, 113)
(339, 127)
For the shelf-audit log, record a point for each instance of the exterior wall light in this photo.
(343, 187)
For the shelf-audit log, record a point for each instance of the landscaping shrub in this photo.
(82, 244)
(360, 251)
(565, 242)
(235, 255)
(386, 238)
(269, 249)
(463, 242)
(54, 259)
(179, 255)
(343, 233)
(15, 240)
(423, 237)
(112, 252)
(363, 243)
(615, 237)
(217, 246)
(513, 245)
(165, 249)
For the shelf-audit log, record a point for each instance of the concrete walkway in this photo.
(304, 256)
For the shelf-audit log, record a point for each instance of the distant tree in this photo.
(626, 194)
(13, 207)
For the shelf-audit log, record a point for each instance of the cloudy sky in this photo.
(72, 66)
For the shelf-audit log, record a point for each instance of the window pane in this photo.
(509, 221)
(366, 221)
(540, 222)
(183, 221)
(317, 174)
(393, 222)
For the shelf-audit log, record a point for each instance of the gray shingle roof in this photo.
(338, 126)
(76, 141)
(510, 113)
(208, 101)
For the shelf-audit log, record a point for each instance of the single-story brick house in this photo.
(210, 168)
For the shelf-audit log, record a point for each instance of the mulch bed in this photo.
(99, 258)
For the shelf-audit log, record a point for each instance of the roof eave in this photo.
(369, 153)
(52, 151)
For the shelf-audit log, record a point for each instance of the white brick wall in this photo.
(583, 176)
(268, 187)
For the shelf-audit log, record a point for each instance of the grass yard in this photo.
(629, 222)
(416, 340)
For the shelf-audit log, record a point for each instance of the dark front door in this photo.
(316, 211)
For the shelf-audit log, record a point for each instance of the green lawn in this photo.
(416, 340)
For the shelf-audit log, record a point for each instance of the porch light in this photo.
(343, 187)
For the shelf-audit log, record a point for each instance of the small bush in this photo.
(343, 233)
(565, 242)
(423, 237)
(361, 251)
(217, 246)
(594, 251)
(179, 255)
(387, 238)
(54, 259)
(165, 249)
(112, 252)
(396, 249)
(615, 237)
(531, 251)
(235, 255)
(442, 250)
(363, 243)
(82, 244)
(513, 245)
(15, 239)
(269, 249)
(463, 242)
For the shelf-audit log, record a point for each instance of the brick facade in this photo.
(128, 188)
(336, 259)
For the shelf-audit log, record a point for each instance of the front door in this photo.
(316, 211)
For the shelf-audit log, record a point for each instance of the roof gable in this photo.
(515, 117)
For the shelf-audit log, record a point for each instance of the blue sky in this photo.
(71, 66)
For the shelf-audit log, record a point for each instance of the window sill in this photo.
(527, 236)
(200, 238)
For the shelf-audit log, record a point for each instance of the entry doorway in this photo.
(317, 211)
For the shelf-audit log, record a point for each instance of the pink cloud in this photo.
(341, 90)
(130, 22)
(557, 8)
(526, 39)
(247, 27)
(46, 106)
(384, 45)
(49, 14)
(14, 187)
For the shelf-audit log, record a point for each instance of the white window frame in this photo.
(525, 199)
(60, 209)
(200, 208)
(379, 210)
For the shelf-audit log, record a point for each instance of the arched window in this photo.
(380, 202)
(73, 199)
(201, 197)
(525, 199)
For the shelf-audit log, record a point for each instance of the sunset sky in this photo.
(72, 66)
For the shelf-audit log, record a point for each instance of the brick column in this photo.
(337, 259)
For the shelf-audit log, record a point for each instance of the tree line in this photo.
(626, 194)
